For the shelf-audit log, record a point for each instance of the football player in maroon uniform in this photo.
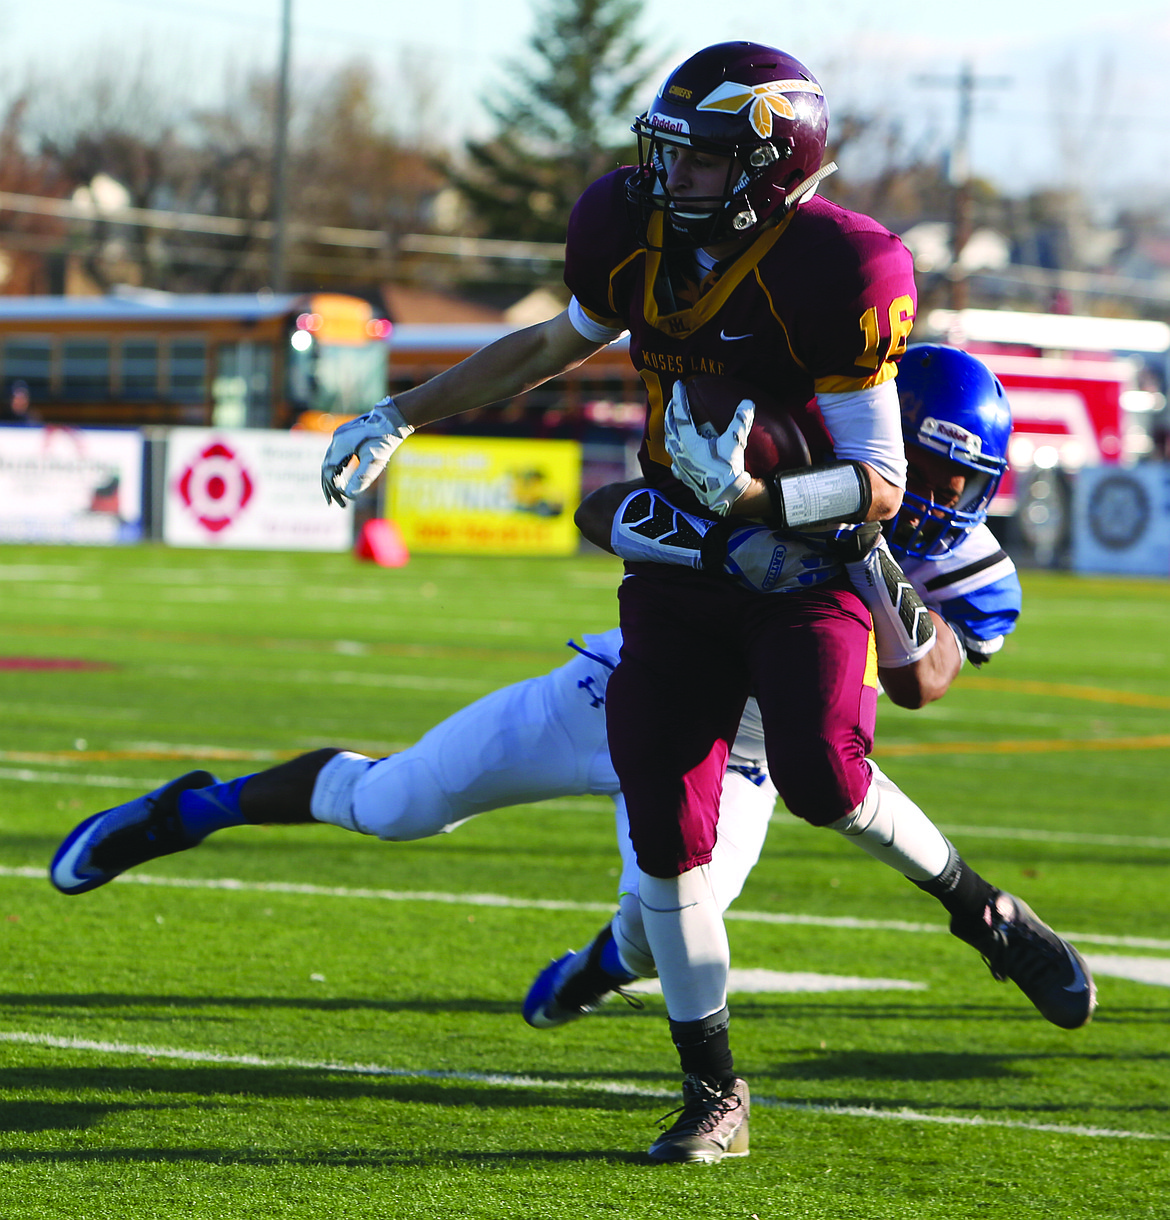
(716, 255)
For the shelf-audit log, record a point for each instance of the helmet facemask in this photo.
(926, 528)
(700, 220)
(956, 420)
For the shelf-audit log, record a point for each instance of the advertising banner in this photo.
(250, 489)
(484, 495)
(70, 485)
(1121, 520)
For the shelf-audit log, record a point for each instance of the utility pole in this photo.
(277, 275)
(960, 168)
(960, 178)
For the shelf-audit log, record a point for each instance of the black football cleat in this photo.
(575, 985)
(1018, 945)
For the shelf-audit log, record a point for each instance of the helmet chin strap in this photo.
(745, 219)
(810, 184)
(805, 190)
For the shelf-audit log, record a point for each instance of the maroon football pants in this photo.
(693, 650)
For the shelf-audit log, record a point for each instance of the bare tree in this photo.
(120, 117)
(26, 239)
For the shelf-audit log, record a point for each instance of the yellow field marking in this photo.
(1160, 741)
(907, 749)
(1093, 694)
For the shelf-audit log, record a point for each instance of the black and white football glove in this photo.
(902, 624)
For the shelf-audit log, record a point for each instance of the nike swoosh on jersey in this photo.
(731, 338)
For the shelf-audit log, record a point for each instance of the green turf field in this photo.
(336, 1033)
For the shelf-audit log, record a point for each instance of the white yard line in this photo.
(847, 922)
(1056, 836)
(23, 775)
(1152, 970)
(791, 982)
(504, 1080)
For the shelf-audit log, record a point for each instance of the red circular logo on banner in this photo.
(215, 487)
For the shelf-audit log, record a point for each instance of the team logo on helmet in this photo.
(765, 101)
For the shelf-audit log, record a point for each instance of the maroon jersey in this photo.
(822, 302)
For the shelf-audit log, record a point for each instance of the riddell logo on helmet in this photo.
(766, 100)
(662, 122)
(940, 434)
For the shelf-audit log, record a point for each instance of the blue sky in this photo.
(1082, 90)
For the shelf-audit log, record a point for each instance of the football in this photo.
(774, 443)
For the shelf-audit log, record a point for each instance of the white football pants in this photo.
(539, 739)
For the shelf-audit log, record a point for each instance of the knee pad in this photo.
(399, 798)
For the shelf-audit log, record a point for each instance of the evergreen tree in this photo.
(561, 123)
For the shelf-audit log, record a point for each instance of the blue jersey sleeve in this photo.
(987, 613)
(975, 588)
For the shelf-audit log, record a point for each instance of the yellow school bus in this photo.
(232, 360)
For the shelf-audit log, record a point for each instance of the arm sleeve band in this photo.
(866, 426)
(587, 328)
(839, 491)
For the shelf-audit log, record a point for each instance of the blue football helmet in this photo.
(955, 406)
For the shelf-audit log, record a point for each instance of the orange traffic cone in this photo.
(381, 542)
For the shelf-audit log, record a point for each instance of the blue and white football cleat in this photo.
(575, 985)
(116, 839)
(1018, 945)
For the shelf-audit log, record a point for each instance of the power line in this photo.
(324, 235)
(190, 222)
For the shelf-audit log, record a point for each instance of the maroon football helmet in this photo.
(751, 103)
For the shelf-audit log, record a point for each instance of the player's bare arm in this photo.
(930, 677)
(501, 370)
(885, 498)
(509, 366)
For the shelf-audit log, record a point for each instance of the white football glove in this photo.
(767, 562)
(712, 466)
(372, 439)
